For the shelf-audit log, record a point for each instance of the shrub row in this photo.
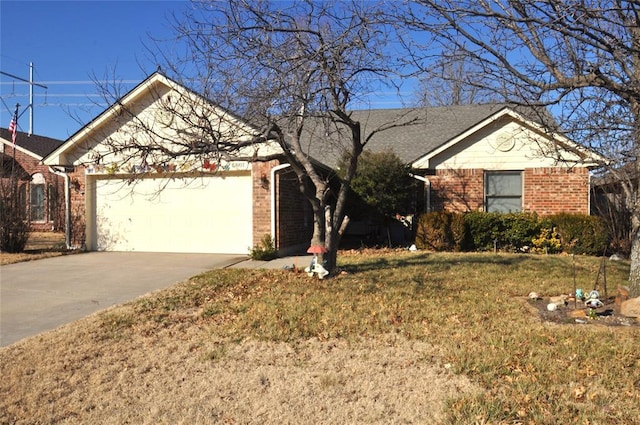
(516, 232)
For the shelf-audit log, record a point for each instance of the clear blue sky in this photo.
(70, 43)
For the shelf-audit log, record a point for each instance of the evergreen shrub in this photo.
(515, 232)
(581, 234)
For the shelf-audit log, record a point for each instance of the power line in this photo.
(50, 95)
(72, 82)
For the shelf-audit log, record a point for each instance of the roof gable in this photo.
(142, 114)
(428, 128)
(506, 140)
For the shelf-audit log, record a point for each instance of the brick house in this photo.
(129, 204)
(467, 158)
(41, 190)
(483, 158)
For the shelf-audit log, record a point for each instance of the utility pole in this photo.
(31, 84)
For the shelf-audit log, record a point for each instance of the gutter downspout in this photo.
(273, 201)
(67, 205)
(589, 193)
(427, 184)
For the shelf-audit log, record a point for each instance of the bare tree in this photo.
(579, 59)
(292, 70)
(452, 80)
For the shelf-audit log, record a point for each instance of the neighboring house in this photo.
(469, 158)
(181, 207)
(483, 158)
(41, 190)
(610, 202)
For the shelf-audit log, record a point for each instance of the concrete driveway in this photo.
(38, 296)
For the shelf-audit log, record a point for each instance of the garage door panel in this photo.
(210, 214)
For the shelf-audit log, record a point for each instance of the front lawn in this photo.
(398, 337)
(40, 245)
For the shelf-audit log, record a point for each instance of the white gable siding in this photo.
(502, 145)
(148, 107)
(169, 132)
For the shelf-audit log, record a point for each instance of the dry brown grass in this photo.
(400, 338)
(188, 378)
(40, 245)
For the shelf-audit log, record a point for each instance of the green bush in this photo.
(547, 242)
(434, 231)
(520, 229)
(485, 229)
(459, 232)
(519, 232)
(441, 231)
(581, 234)
(265, 251)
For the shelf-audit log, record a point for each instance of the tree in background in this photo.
(14, 220)
(383, 182)
(453, 80)
(579, 60)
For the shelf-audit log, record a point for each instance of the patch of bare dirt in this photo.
(71, 376)
(575, 312)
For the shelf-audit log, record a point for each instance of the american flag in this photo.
(13, 127)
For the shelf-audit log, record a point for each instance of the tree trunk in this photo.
(634, 270)
(331, 257)
(632, 193)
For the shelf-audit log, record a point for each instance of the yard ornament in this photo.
(593, 302)
(315, 267)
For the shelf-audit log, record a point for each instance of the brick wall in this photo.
(54, 190)
(261, 174)
(546, 190)
(294, 214)
(554, 190)
(77, 195)
(457, 190)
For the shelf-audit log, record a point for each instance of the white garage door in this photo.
(205, 214)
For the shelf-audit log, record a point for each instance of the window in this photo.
(37, 198)
(503, 191)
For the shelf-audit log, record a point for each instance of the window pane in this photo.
(503, 191)
(53, 204)
(37, 202)
(504, 205)
(504, 184)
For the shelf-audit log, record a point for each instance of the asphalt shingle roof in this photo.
(413, 132)
(40, 145)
